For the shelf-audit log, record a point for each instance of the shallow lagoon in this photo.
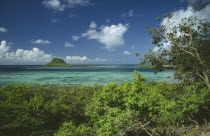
(77, 74)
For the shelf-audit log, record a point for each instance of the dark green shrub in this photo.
(28, 109)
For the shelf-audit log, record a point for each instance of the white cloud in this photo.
(73, 59)
(21, 56)
(4, 47)
(93, 25)
(84, 59)
(127, 52)
(37, 56)
(2, 29)
(73, 3)
(28, 56)
(75, 38)
(177, 18)
(206, 12)
(54, 4)
(60, 5)
(128, 14)
(179, 15)
(99, 60)
(111, 36)
(40, 41)
(68, 45)
(166, 46)
(194, 1)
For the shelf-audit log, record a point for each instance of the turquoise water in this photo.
(77, 75)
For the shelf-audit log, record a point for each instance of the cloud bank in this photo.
(69, 45)
(21, 56)
(37, 56)
(84, 59)
(127, 53)
(61, 5)
(177, 18)
(110, 36)
(128, 14)
(75, 38)
(40, 41)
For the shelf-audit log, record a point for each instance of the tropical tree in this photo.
(185, 44)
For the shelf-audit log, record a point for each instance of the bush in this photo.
(28, 109)
(151, 109)
(130, 108)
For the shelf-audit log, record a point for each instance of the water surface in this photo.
(77, 74)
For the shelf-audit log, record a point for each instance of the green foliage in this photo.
(57, 62)
(28, 109)
(189, 52)
(69, 129)
(135, 108)
(130, 108)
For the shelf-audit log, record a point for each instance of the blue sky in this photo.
(80, 31)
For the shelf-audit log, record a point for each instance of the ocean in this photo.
(77, 75)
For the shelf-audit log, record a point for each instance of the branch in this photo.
(193, 121)
(168, 37)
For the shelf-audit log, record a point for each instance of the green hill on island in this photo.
(57, 62)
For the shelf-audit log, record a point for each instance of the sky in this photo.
(80, 31)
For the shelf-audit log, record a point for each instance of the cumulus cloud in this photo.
(128, 14)
(74, 59)
(68, 45)
(21, 56)
(194, 1)
(2, 29)
(110, 36)
(73, 3)
(40, 41)
(98, 60)
(75, 38)
(37, 56)
(206, 12)
(177, 18)
(4, 47)
(127, 52)
(93, 25)
(179, 15)
(166, 46)
(60, 5)
(54, 4)
(84, 59)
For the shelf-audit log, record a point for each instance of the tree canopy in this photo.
(185, 44)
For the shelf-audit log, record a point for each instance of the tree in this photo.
(186, 45)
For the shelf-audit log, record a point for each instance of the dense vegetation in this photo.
(189, 50)
(57, 62)
(126, 109)
(130, 108)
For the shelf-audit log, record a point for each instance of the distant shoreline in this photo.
(165, 67)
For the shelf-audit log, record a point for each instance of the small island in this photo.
(57, 62)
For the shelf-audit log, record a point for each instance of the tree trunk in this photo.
(206, 79)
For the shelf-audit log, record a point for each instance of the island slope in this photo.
(57, 62)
